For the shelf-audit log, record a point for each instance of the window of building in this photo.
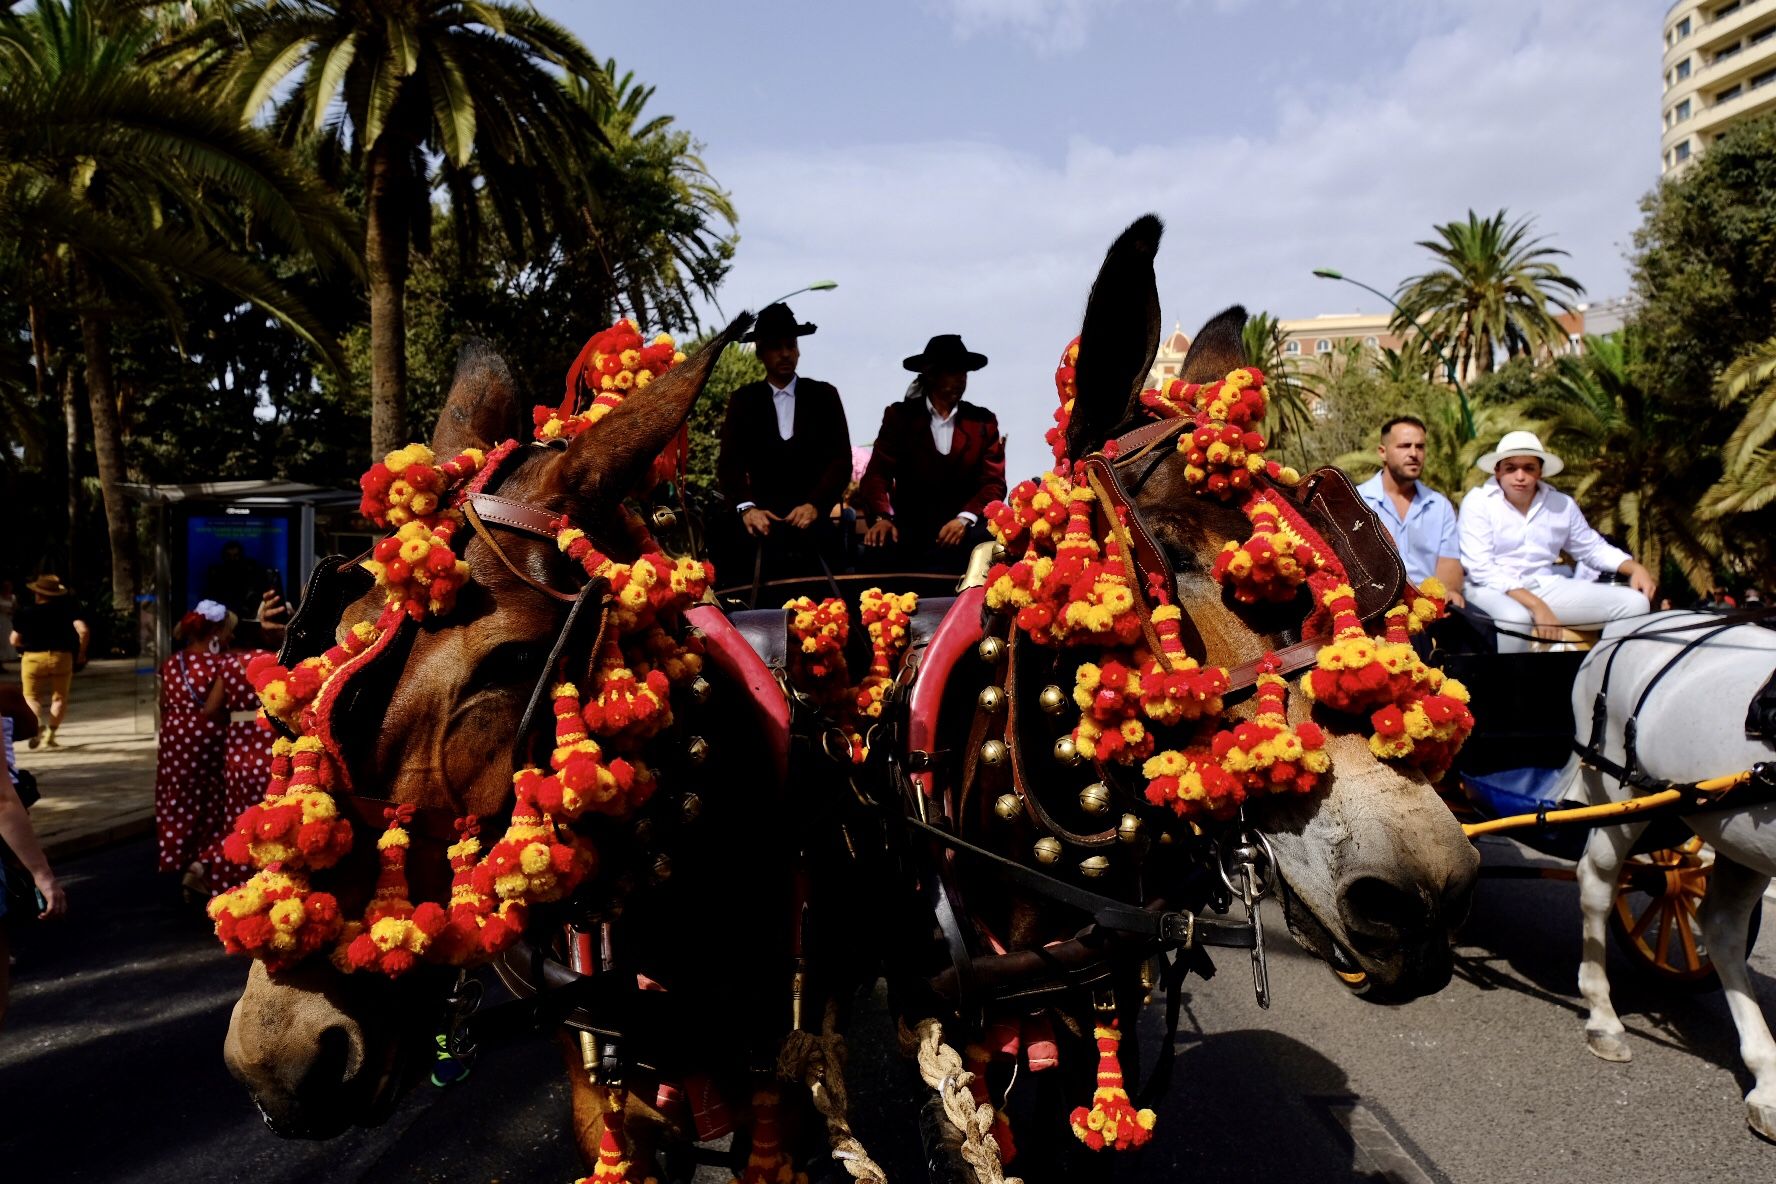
(1683, 28)
(1323, 346)
(1732, 92)
(1764, 79)
(1762, 35)
(1681, 153)
(1728, 52)
(1681, 112)
(1291, 347)
(1723, 10)
(1683, 70)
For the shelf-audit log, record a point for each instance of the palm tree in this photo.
(1491, 288)
(114, 180)
(388, 84)
(1748, 479)
(1641, 469)
(656, 213)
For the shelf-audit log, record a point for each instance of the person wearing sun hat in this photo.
(1513, 531)
(937, 462)
(785, 458)
(51, 636)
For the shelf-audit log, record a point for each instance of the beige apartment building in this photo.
(1720, 69)
(1308, 339)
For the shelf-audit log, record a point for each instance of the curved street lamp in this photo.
(1461, 394)
(816, 286)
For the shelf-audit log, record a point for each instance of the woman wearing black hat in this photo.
(937, 462)
(785, 457)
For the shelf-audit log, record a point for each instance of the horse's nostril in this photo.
(1373, 907)
(335, 1062)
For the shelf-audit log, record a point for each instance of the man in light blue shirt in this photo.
(1421, 520)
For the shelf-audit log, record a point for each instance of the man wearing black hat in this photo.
(785, 457)
(936, 464)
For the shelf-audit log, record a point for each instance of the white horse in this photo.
(1691, 728)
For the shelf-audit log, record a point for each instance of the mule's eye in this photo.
(509, 663)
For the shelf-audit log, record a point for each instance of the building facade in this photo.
(1719, 69)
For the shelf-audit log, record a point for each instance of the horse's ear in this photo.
(604, 463)
(1119, 338)
(1218, 349)
(482, 408)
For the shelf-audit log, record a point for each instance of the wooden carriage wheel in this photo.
(1657, 918)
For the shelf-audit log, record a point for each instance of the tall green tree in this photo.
(661, 228)
(1748, 479)
(114, 180)
(388, 85)
(1491, 288)
(1704, 264)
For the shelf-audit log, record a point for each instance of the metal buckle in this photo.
(1178, 929)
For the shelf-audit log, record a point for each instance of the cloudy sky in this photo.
(961, 165)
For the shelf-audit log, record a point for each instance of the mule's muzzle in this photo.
(1399, 930)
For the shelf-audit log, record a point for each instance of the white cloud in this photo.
(1547, 112)
(1050, 26)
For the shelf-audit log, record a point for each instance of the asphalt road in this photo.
(110, 1069)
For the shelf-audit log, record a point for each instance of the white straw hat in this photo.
(1521, 444)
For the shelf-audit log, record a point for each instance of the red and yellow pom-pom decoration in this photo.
(596, 766)
(1069, 586)
(1067, 388)
(1274, 562)
(768, 1162)
(1267, 755)
(1111, 1122)
(817, 666)
(1225, 450)
(611, 365)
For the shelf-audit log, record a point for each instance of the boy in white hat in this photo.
(1513, 530)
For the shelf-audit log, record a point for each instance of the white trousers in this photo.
(1579, 604)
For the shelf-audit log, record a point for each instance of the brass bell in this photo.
(992, 753)
(1095, 798)
(990, 649)
(1129, 829)
(662, 868)
(664, 518)
(644, 831)
(1047, 849)
(1052, 699)
(1008, 806)
(1094, 866)
(690, 807)
(1000, 555)
(700, 689)
(697, 750)
(1066, 751)
(990, 698)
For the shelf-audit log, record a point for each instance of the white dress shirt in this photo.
(1504, 549)
(783, 402)
(943, 435)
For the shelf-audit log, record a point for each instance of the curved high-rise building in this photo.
(1720, 69)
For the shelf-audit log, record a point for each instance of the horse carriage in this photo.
(521, 734)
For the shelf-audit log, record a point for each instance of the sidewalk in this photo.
(98, 787)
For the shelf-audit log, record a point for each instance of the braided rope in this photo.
(818, 1061)
(941, 1068)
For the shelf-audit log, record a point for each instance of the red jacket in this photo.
(921, 487)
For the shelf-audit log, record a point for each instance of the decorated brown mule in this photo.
(1185, 682)
(506, 715)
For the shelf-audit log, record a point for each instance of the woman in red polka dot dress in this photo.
(246, 767)
(188, 772)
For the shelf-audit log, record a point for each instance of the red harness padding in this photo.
(725, 646)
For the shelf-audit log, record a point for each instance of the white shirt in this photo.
(783, 402)
(1504, 549)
